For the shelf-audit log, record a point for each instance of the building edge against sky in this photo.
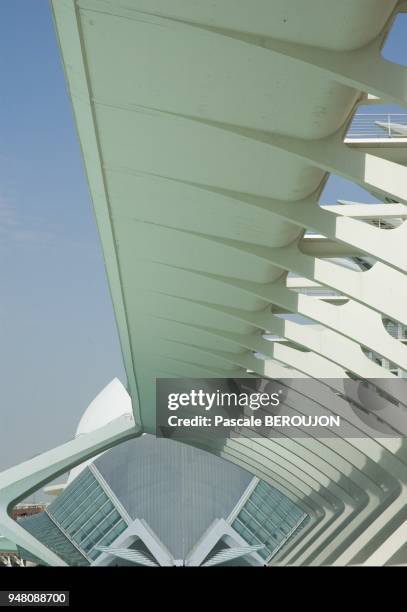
(205, 170)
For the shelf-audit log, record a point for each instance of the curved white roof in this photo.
(112, 402)
(208, 130)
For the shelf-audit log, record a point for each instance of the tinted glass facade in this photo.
(87, 514)
(42, 528)
(268, 517)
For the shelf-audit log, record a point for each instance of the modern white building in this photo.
(208, 131)
(158, 502)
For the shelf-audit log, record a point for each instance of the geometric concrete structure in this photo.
(158, 502)
(208, 132)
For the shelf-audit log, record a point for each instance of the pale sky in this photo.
(59, 343)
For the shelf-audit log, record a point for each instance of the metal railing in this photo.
(374, 126)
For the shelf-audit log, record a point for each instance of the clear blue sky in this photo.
(59, 343)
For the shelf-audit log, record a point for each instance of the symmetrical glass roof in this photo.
(88, 515)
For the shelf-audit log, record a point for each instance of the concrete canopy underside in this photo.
(207, 131)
